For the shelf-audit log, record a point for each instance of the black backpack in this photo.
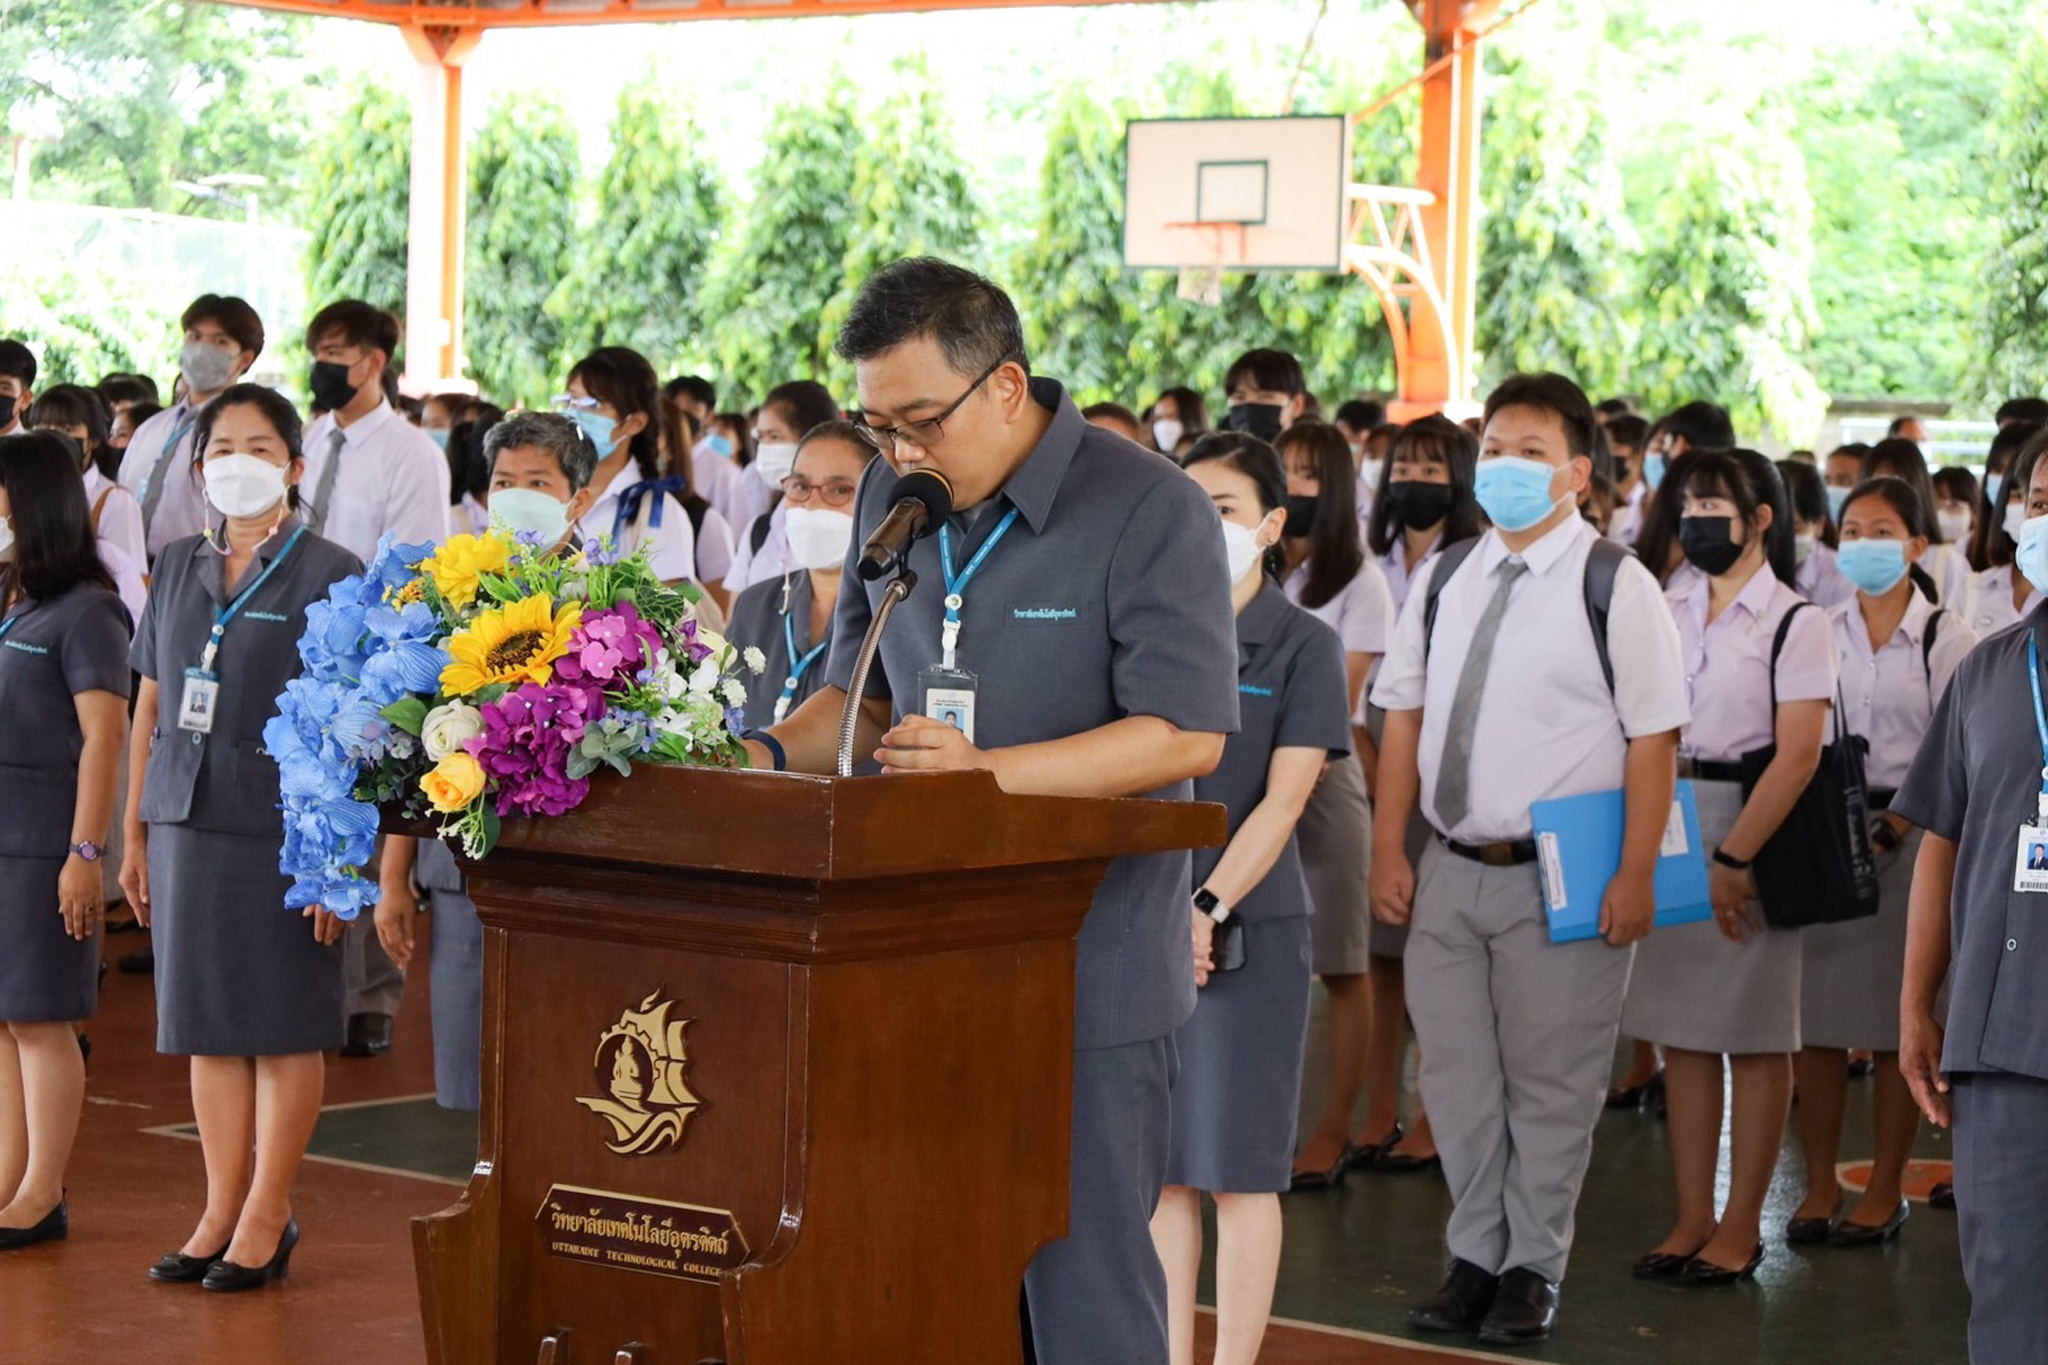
(1603, 562)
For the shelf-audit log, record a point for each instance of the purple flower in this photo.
(528, 735)
(693, 650)
(609, 646)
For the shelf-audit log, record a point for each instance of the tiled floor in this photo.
(1354, 1256)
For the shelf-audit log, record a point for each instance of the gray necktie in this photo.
(159, 474)
(1454, 774)
(317, 516)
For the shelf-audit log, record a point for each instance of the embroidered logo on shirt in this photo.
(267, 616)
(1045, 613)
(26, 648)
(1250, 691)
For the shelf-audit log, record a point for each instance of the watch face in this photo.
(1205, 900)
(88, 850)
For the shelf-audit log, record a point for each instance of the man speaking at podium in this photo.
(1073, 628)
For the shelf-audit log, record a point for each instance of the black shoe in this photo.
(178, 1268)
(1524, 1310)
(225, 1277)
(369, 1035)
(1460, 1305)
(1847, 1234)
(1636, 1096)
(55, 1227)
(1811, 1231)
(137, 964)
(1303, 1181)
(1366, 1155)
(85, 1046)
(1661, 1265)
(1700, 1274)
(1862, 1069)
(1942, 1196)
(1402, 1163)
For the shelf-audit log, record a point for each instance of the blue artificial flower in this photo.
(402, 657)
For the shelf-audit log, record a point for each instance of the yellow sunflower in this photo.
(510, 645)
(461, 560)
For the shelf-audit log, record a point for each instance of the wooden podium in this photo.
(777, 1070)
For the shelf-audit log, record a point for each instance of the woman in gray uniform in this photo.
(63, 683)
(1235, 1104)
(250, 992)
(789, 619)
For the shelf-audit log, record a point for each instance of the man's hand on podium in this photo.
(919, 744)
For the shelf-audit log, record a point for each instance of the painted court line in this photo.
(188, 1132)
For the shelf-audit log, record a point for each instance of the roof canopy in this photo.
(489, 14)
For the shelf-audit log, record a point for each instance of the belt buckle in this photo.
(1497, 855)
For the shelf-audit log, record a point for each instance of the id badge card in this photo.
(196, 707)
(2030, 859)
(947, 695)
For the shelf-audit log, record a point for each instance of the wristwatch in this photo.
(87, 850)
(1730, 860)
(1207, 902)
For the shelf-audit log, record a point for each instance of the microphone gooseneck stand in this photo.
(849, 721)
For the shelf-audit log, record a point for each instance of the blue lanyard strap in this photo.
(8, 624)
(2040, 713)
(797, 666)
(223, 615)
(956, 583)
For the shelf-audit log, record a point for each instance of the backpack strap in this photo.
(1603, 563)
(1447, 562)
(757, 534)
(100, 505)
(1927, 644)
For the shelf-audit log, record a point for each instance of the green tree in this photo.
(639, 280)
(769, 286)
(522, 221)
(86, 320)
(2012, 347)
(150, 92)
(362, 182)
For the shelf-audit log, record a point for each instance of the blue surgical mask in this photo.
(1838, 498)
(1875, 566)
(1514, 492)
(597, 427)
(1653, 470)
(438, 435)
(2033, 556)
(719, 445)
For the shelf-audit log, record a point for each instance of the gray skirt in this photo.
(1236, 1103)
(456, 980)
(46, 977)
(1335, 837)
(1852, 973)
(1694, 988)
(237, 974)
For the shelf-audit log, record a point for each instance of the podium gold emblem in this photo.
(640, 1065)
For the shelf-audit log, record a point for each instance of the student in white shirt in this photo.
(612, 395)
(1819, 579)
(17, 386)
(1627, 435)
(1944, 562)
(789, 413)
(80, 414)
(1999, 595)
(1499, 702)
(223, 337)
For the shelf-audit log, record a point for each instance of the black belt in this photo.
(1710, 772)
(1494, 855)
(1882, 800)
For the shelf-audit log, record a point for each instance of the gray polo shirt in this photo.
(1291, 693)
(1976, 778)
(1107, 598)
(226, 781)
(57, 648)
(757, 619)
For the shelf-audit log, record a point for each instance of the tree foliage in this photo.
(523, 168)
(638, 278)
(85, 321)
(2013, 325)
(362, 181)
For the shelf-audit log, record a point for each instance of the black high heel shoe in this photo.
(178, 1268)
(1700, 1274)
(54, 1227)
(225, 1277)
(1637, 1096)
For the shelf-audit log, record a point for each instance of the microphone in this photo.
(922, 499)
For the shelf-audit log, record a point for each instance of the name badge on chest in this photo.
(196, 707)
(947, 695)
(2030, 858)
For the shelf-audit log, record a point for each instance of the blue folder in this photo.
(1578, 851)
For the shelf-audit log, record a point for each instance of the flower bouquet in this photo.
(483, 678)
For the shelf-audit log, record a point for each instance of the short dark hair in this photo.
(1362, 415)
(1898, 424)
(2022, 410)
(1434, 439)
(805, 403)
(694, 385)
(1115, 411)
(73, 405)
(1549, 393)
(973, 322)
(55, 548)
(1808, 494)
(1705, 426)
(1611, 408)
(1897, 456)
(549, 431)
(1267, 368)
(1628, 432)
(131, 389)
(1188, 407)
(839, 429)
(359, 324)
(232, 315)
(18, 362)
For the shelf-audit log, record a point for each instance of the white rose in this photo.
(448, 726)
(735, 695)
(757, 662)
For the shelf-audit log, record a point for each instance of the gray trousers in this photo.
(1517, 1039)
(374, 984)
(1098, 1297)
(2002, 1213)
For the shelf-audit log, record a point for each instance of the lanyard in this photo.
(2040, 714)
(797, 667)
(956, 584)
(8, 624)
(223, 615)
(178, 433)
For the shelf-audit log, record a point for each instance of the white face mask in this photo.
(1955, 524)
(1166, 434)
(1241, 550)
(244, 485)
(818, 536)
(2015, 517)
(1369, 477)
(531, 511)
(1802, 548)
(773, 460)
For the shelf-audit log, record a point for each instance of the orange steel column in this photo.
(1448, 167)
(439, 208)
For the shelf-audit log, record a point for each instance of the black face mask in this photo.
(1301, 514)
(1254, 419)
(329, 385)
(1621, 468)
(1709, 544)
(1418, 505)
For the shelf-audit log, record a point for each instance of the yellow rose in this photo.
(454, 784)
(460, 560)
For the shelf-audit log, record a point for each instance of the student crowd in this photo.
(1403, 638)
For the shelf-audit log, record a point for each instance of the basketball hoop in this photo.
(1220, 245)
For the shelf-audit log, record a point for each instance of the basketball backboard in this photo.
(1236, 193)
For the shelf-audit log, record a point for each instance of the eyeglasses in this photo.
(797, 491)
(926, 432)
(565, 401)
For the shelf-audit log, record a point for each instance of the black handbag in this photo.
(1819, 867)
